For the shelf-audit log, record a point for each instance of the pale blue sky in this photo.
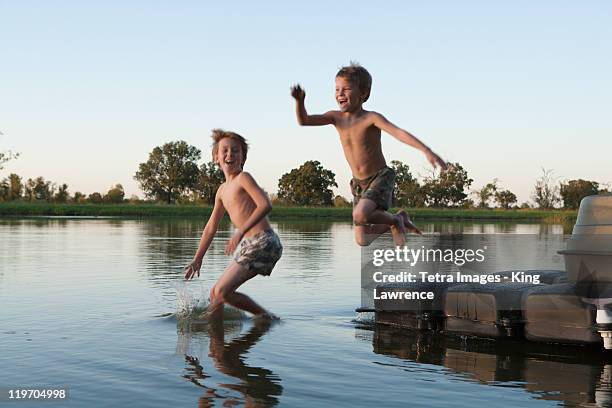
(87, 89)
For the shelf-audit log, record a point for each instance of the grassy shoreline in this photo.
(25, 209)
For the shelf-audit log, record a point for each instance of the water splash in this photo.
(192, 307)
(190, 300)
(365, 319)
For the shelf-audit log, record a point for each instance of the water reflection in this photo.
(572, 375)
(308, 246)
(165, 246)
(257, 386)
(169, 242)
(305, 225)
(491, 227)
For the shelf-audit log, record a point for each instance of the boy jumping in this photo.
(373, 181)
(247, 205)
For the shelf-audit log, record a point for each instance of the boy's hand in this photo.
(298, 93)
(435, 160)
(233, 242)
(193, 268)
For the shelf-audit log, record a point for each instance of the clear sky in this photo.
(87, 89)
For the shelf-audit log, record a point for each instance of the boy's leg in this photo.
(366, 212)
(366, 234)
(224, 291)
(410, 226)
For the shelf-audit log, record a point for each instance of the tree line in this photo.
(172, 175)
(14, 188)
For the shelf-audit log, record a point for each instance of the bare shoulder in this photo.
(245, 179)
(219, 194)
(245, 175)
(333, 115)
(248, 184)
(374, 116)
(378, 119)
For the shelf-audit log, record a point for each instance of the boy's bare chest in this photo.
(358, 134)
(233, 195)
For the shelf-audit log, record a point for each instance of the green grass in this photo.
(554, 216)
(20, 209)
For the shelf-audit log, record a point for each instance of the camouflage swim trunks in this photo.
(260, 252)
(378, 188)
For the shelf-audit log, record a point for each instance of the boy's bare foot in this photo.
(410, 226)
(399, 231)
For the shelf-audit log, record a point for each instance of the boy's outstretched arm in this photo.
(207, 236)
(303, 118)
(263, 208)
(403, 136)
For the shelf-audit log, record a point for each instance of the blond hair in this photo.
(220, 134)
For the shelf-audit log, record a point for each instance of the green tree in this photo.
(407, 191)
(15, 187)
(546, 191)
(468, 203)
(209, 179)
(38, 189)
(62, 194)
(28, 190)
(4, 189)
(79, 198)
(170, 171)
(505, 198)
(310, 184)
(11, 188)
(134, 199)
(447, 188)
(95, 198)
(340, 201)
(486, 193)
(115, 194)
(573, 191)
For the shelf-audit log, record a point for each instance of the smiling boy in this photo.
(247, 206)
(359, 130)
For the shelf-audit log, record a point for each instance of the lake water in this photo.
(91, 305)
